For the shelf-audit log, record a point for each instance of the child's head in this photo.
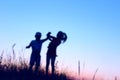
(38, 35)
(62, 36)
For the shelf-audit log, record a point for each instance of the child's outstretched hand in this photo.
(48, 34)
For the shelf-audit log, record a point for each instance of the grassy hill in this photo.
(14, 72)
(16, 68)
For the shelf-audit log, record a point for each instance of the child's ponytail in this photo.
(64, 38)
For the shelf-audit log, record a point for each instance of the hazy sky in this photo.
(92, 26)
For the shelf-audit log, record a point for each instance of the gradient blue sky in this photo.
(92, 26)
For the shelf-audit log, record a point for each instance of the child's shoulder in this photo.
(32, 41)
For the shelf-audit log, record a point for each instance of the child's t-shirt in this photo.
(36, 46)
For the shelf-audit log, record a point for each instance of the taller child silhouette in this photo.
(36, 49)
(51, 52)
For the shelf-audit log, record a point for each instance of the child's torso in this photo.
(36, 46)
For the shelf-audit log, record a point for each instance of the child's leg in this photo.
(38, 59)
(47, 63)
(52, 64)
(30, 68)
(32, 60)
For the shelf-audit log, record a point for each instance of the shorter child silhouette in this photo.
(51, 52)
(36, 49)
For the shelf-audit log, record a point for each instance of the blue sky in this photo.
(92, 26)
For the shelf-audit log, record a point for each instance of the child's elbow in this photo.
(27, 47)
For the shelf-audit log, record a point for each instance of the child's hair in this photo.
(38, 35)
(62, 36)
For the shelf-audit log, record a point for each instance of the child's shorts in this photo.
(35, 59)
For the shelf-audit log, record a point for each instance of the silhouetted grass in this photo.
(14, 72)
(14, 68)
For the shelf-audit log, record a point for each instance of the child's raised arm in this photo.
(28, 46)
(48, 34)
(50, 37)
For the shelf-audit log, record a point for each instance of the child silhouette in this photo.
(36, 49)
(51, 52)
